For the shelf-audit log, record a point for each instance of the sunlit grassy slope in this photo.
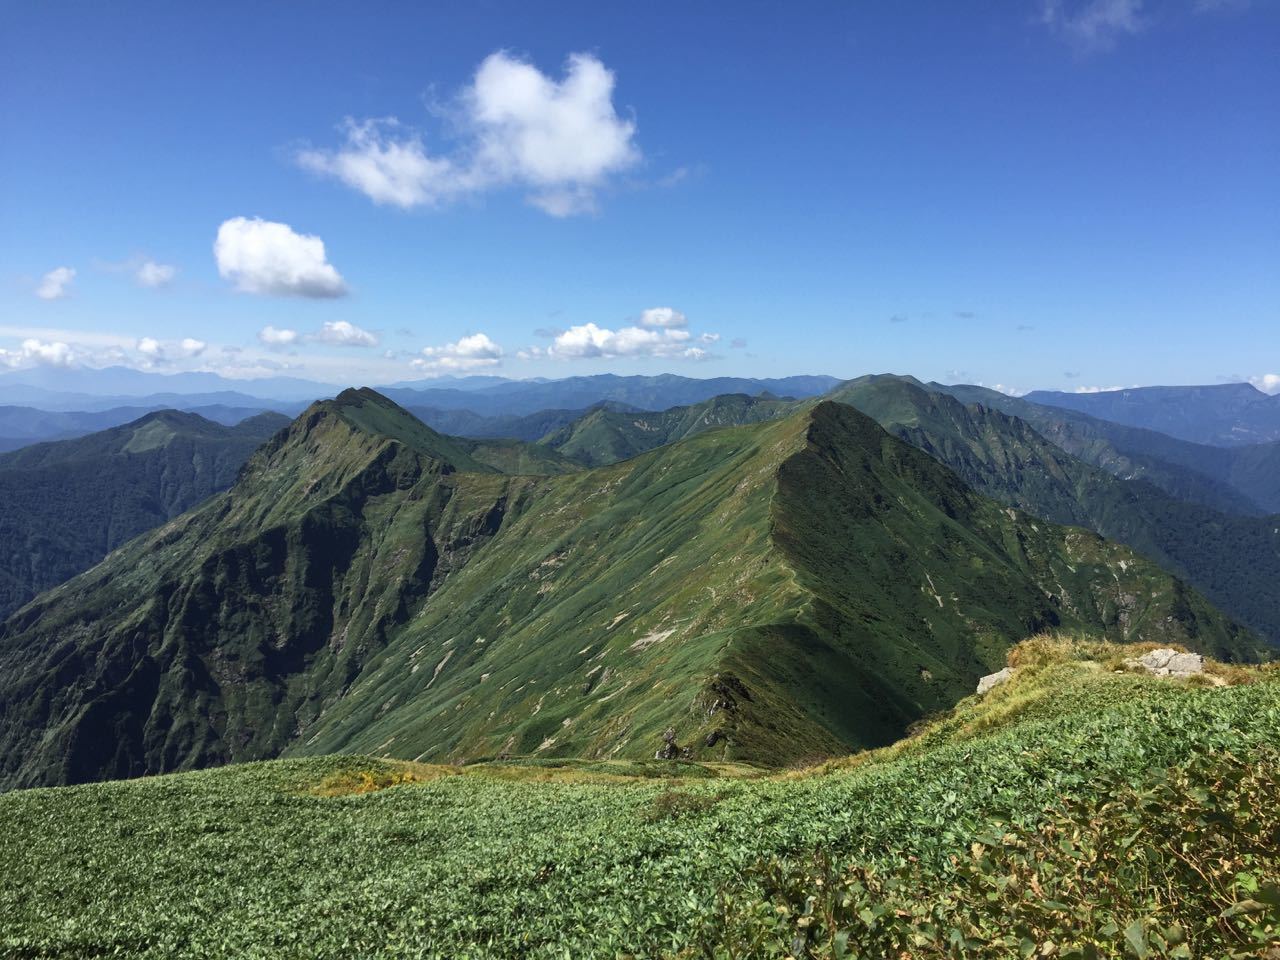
(349, 856)
(768, 593)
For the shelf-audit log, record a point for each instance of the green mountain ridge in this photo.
(1242, 479)
(65, 504)
(606, 435)
(792, 588)
(1233, 560)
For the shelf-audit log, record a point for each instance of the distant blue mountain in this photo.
(1223, 415)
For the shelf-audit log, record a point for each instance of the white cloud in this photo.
(152, 274)
(156, 353)
(39, 353)
(1104, 389)
(270, 258)
(589, 341)
(561, 140)
(1267, 382)
(468, 353)
(335, 333)
(1215, 6)
(54, 284)
(1093, 24)
(663, 317)
(344, 334)
(386, 170)
(277, 337)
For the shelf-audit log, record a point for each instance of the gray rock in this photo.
(1169, 663)
(994, 680)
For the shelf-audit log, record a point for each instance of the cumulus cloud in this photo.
(344, 334)
(152, 274)
(277, 336)
(54, 284)
(663, 318)
(1267, 382)
(263, 257)
(338, 333)
(1093, 24)
(156, 353)
(560, 140)
(590, 341)
(471, 352)
(40, 353)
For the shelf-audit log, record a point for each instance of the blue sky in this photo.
(1025, 193)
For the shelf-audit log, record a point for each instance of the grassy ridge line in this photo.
(246, 861)
(770, 592)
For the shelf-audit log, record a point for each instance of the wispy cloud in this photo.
(55, 284)
(336, 333)
(1083, 389)
(1093, 25)
(152, 275)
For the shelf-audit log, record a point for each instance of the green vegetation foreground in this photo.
(345, 857)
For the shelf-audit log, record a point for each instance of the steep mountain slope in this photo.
(65, 505)
(1225, 414)
(768, 592)
(1233, 560)
(606, 436)
(1228, 479)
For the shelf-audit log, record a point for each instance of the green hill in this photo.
(605, 435)
(1233, 560)
(530, 427)
(767, 592)
(65, 504)
(1073, 805)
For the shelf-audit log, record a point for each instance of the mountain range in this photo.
(1225, 414)
(799, 586)
(65, 505)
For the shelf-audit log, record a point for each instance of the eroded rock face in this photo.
(994, 680)
(1169, 663)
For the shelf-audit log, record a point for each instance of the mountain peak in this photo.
(367, 413)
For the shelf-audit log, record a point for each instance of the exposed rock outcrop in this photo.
(994, 680)
(1169, 663)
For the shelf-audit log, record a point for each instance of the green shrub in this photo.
(1185, 865)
